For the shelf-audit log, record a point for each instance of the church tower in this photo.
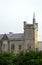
(35, 27)
(31, 35)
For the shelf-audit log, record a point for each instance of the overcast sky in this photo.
(14, 12)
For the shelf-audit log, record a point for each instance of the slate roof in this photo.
(19, 36)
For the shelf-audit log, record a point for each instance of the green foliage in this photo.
(22, 58)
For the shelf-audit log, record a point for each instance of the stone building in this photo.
(21, 41)
(39, 46)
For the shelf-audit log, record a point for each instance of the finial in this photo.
(33, 17)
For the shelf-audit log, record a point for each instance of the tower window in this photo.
(29, 46)
(36, 49)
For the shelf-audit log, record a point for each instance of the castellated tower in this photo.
(31, 35)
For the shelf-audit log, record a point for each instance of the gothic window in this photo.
(12, 47)
(20, 47)
(4, 46)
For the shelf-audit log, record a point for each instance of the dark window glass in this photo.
(20, 47)
(36, 49)
(12, 46)
(29, 46)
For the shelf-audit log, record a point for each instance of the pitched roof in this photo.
(12, 36)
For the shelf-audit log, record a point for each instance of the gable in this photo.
(4, 37)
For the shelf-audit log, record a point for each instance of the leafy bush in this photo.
(22, 58)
